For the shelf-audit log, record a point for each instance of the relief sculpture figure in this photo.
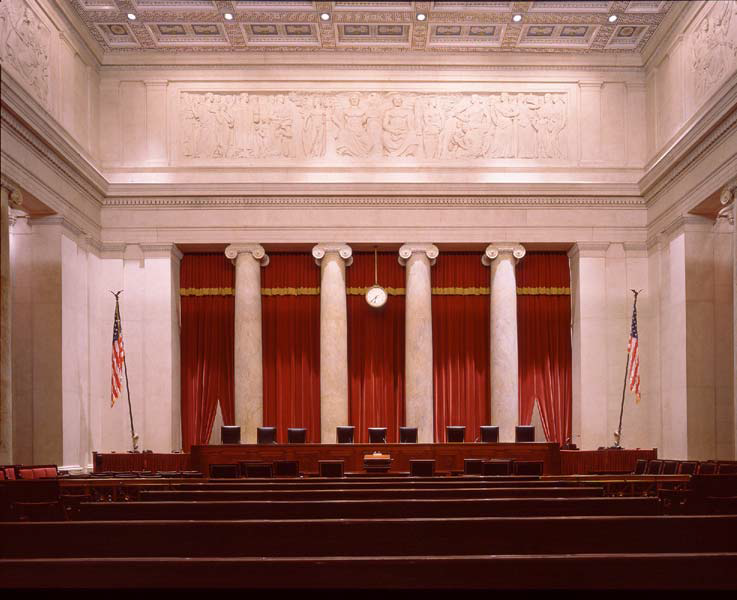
(712, 50)
(399, 137)
(353, 138)
(25, 46)
(314, 131)
(506, 138)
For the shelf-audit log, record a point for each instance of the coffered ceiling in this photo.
(201, 26)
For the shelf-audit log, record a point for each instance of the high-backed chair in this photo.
(490, 434)
(687, 467)
(230, 434)
(422, 467)
(377, 435)
(455, 433)
(266, 435)
(344, 434)
(524, 433)
(669, 467)
(640, 466)
(226, 471)
(408, 435)
(708, 468)
(297, 435)
(654, 467)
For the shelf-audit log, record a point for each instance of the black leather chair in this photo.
(640, 466)
(297, 435)
(489, 434)
(524, 433)
(344, 434)
(230, 434)
(408, 435)
(670, 467)
(331, 468)
(422, 467)
(654, 467)
(687, 467)
(377, 435)
(455, 433)
(266, 435)
(286, 468)
(224, 471)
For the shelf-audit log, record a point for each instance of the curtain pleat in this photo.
(207, 345)
(375, 347)
(460, 340)
(544, 333)
(290, 306)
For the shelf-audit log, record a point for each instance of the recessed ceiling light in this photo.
(421, 16)
(131, 16)
(612, 18)
(517, 18)
(228, 16)
(325, 16)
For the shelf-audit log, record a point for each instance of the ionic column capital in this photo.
(407, 250)
(15, 198)
(343, 250)
(255, 250)
(517, 251)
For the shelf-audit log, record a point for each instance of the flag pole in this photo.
(134, 437)
(618, 433)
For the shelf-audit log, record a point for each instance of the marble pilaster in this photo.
(10, 196)
(249, 378)
(418, 379)
(333, 258)
(502, 258)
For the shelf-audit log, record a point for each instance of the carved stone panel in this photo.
(24, 46)
(360, 126)
(714, 46)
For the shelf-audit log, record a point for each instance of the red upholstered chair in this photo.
(25, 473)
(39, 472)
(2, 474)
(10, 473)
(52, 472)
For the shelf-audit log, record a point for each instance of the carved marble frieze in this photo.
(24, 46)
(367, 126)
(714, 46)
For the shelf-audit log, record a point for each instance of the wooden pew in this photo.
(375, 494)
(370, 537)
(714, 571)
(352, 509)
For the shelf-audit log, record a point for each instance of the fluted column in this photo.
(9, 196)
(249, 377)
(502, 259)
(332, 260)
(418, 390)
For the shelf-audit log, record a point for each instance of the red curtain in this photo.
(375, 347)
(290, 302)
(460, 343)
(207, 347)
(544, 333)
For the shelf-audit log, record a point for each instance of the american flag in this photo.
(118, 356)
(634, 355)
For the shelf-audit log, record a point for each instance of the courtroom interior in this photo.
(460, 274)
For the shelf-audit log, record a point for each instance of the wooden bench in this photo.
(370, 537)
(352, 509)
(371, 494)
(599, 571)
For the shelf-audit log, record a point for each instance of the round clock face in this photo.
(376, 296)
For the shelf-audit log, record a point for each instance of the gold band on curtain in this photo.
(361, 291)
(543, 291)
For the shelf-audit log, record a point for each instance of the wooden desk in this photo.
(448, 457)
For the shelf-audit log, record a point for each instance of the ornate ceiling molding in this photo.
(375, 202)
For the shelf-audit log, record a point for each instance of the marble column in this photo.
(249, 376)
(333, 258)
(9, 197)
(502, 259)
(418, 389)
(728, 198)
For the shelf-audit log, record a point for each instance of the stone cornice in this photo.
(407, 250)
(255, 250)
(701, 132)
(588, 250)
(30, 122)
(328, 201)
(161, 250)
